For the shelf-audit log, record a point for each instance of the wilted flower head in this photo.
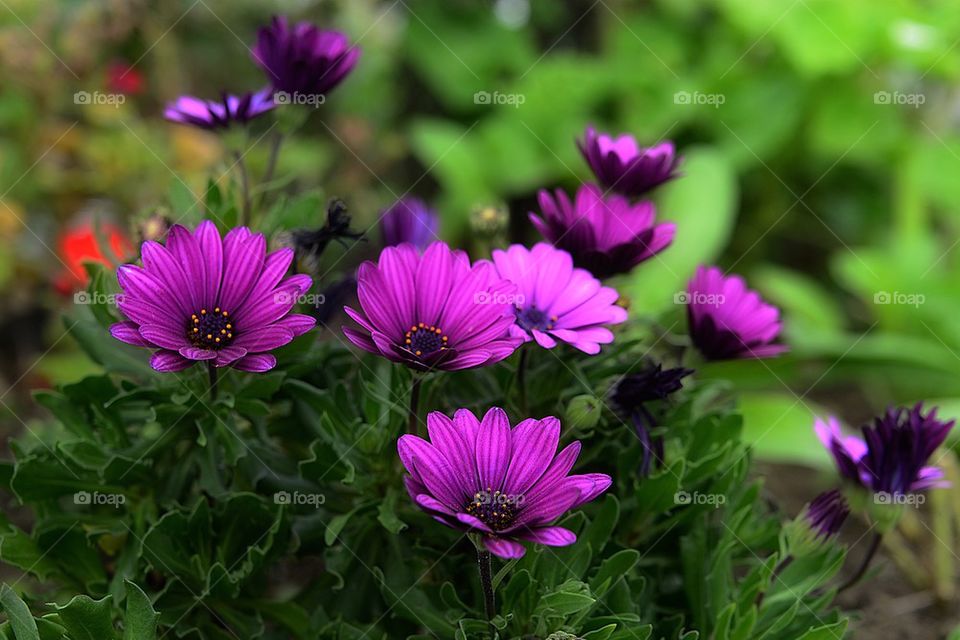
(504, 484)
(892, 456)
(302, 58)
(219, 114)
(652, 383)
(606, 235)
(622, 165)
(312, 242)
(203, 298)
(727, 320)
(433, 311)
(555, 301)
(409, 220)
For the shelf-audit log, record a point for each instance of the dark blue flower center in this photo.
(531, 318)
(423, 339)
(211, 329)
(495, 509)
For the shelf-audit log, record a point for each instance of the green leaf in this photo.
(826, 632)
(24, 626)
(386, 513)
(88, 619)
(140, 621)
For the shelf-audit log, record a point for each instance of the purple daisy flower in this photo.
(203, 298)
(303, 58)
(893, 454)
(504, 484)
(409, 220)
(433, 311)
(606, 235)
(727, 320)
(622, 165)
(555, 301)
(219, 114)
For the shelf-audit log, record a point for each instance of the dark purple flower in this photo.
(203, 298)
(409, 220)
(303, 59)
(503, 484)
(606, 235)
(826, 514)
(893, 454)
(433, 311)
(622, 165)
(557, 302)
(652, 383)
(631, 396)
(219, 114)
(727, 320)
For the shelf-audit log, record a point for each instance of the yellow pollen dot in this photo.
(229, 326)
(229, 335)
(224, 314)
(408, 341)
(420, 324)
(223, 331)
(217, 340)
(195, 330)
(209, 336)
(203, 312)
(437, 331)
(419, 353)
(445, 338)
(216, 310)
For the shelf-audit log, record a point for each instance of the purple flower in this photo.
(556, 301)
(826, 514)
(409, 220)
(727, 320)
(303, 58)
(893, 454)
(504, 484)
(202, 298)
(433, 311)
(606, 235)
(624, 166)
(219, 114)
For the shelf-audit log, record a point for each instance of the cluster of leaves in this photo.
(277, 509)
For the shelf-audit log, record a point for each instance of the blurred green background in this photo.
(821, 142)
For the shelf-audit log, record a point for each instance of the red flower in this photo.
(124, 78)
(82, 244)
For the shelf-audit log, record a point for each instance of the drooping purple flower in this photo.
(555, 301)
(606, 235)
(302, 58)
(409, 220)
(219, 114)
(622, 165)
(893, 454)
(433, 311)
(631, 396)
(203, 298)
(507, 485)
(826, 514)
(727, 320)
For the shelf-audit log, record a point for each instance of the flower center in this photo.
(424, 340)
(210, 329)
(495, 509)
(531, 318)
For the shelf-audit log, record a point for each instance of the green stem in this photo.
(522, 379)
(413, 426)
(244, 189)
(212, 371)
(486, 581)
(864, 565)
(783, 564)
(275, 143)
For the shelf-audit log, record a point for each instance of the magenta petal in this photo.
(493, 449)
(430, 503)
(257, 363)
(506, 549)
(534, 444)
(163, 337)
(550, 536)
(243, 259)
(169, 361)
(473, 523)
(127, 332)
(229, 354)
(265, 339)
(194, 353)
(184, 249)
(297, 323)
(211, 248)
(424, 461)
